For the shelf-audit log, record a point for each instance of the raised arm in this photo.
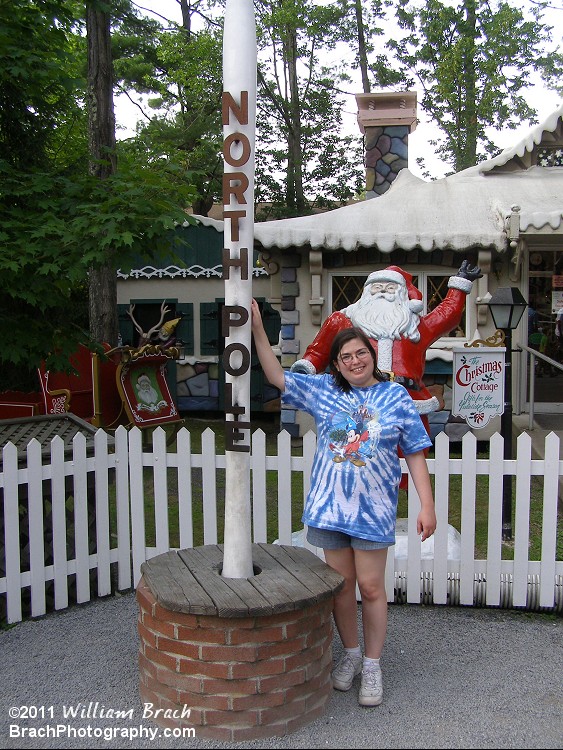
(270, 364)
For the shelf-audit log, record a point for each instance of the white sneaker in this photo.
(371, 689)
(345, 671)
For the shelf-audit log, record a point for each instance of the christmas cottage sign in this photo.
(478, 384)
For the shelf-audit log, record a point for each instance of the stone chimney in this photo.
(385, 120)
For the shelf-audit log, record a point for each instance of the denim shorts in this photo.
(337, 540)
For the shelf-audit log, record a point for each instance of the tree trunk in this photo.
(467, 156)
(362, 55)
(295, 195)
(186, 16)
(102, 286)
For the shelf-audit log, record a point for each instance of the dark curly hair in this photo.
(341, 338)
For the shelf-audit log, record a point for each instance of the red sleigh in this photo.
(89, 393)
(126, 386)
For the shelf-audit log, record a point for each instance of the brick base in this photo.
(242, 678)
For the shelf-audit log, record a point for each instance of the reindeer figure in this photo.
(146, 338)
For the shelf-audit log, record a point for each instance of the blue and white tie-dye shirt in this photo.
(356, 470)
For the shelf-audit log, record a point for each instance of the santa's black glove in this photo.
(469, 272)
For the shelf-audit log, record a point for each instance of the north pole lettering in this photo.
(237, 152)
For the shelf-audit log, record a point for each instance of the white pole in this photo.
(239, 125)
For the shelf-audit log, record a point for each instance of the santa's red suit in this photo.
(403, 358)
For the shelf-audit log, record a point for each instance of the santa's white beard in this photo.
(384, 316)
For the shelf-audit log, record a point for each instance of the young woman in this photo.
(351, 508)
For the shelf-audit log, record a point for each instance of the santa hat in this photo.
(397, 276)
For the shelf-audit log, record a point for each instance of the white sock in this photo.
(355, 653)
(373, 663)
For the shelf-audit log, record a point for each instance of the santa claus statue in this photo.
(389, 312)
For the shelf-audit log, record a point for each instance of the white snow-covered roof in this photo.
(467, 209)
(526, 145)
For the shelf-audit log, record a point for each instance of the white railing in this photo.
(533, 355)
(78, 526)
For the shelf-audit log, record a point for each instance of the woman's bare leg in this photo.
(370, 571)
(345, 603)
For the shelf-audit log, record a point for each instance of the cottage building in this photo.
(504, 215)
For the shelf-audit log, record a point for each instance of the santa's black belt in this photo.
(413, 385)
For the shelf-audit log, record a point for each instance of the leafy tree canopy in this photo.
(54, 228)
(56, 221)
(180, 70)
(40, 82)
(473, 59)
(302, 159)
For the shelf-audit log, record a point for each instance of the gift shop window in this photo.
(346, 290)
(435, 289)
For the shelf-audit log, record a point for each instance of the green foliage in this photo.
(183, 70)
(362, 29)
(57, 222)
(473, 61)
(302, 161)
(39, 79)
(42, 128)
(55, 228)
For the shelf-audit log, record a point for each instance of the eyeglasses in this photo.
(360, 354)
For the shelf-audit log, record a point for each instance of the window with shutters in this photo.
(147, 314)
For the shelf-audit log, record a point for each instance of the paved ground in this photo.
(543, 425)
(454, 678)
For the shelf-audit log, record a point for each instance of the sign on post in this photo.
(239, 126)
(478, 384)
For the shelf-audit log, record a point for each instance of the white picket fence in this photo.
(53, 558)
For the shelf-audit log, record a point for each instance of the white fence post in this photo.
(101, 472)
(441, 500)
(494, 526)
(259, 500)
(12, 534)
(58, 512)
(36, 529)
(549, 521)
(81, 518)
(122, 508)
(522, 520)
(209, 484)
(160, 484)
(137, 500)
(468, 476)
(185, 515)
(284, 487)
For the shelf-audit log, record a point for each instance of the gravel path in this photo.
(453, 677)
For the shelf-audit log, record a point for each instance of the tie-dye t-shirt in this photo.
(356, 470)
